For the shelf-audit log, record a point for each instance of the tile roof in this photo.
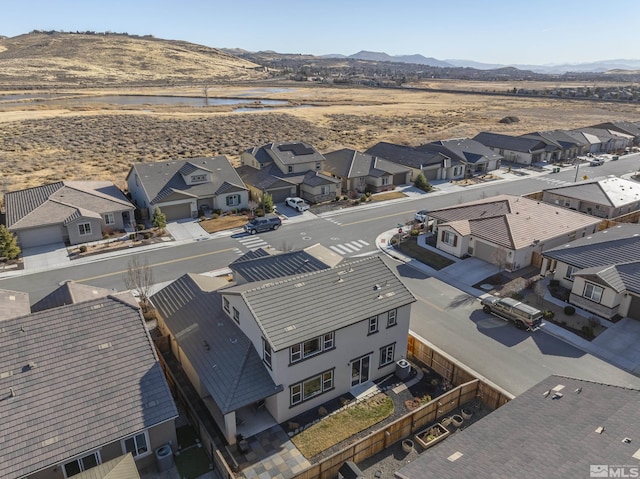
(349, 163)
(296, 308)
(408, 156)
(315, 178)
(615, 192)
(269, 177)
(225, 360)
(616, 245)
(291, 153)
(276, 265)
(69, 293)
(540, 434)
(63, 201)
(83, 376)
(162, 179)
(14, 304)
(621, 126)
(508, 142)
(514, 221)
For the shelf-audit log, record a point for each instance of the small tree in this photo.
(8, 244)
(159, 219)
(139, 279)
(267, 203)
(252, 205)
(421, 183)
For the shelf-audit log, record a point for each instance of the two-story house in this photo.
(183, 188)
(285, 344)
(287, 169)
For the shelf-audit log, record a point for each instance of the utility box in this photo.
(403, 369)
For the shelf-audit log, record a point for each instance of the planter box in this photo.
(432, 435)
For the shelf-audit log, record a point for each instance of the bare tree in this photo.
(253, 205)
(139, 279)
(500, 259)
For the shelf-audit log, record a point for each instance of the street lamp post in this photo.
(577, 170)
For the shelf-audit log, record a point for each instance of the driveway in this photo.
(187, 229)
(619, 344)
(45, 257)
(469, 271)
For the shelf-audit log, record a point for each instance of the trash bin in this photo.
(164, 458)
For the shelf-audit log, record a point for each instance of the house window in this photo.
(266, 353)
(593, 292)
(109, 219)
(449, 238)
(81, 464)
(373, 324)
(290, 169)
(572, 236)
(233, 200)
(310, 348)
(198, 178)
(391, 318)
(137, 445)
(236, 315)
(385, 180)
(386, 354)
(312, 387)
(225, 304)
(84, 229)
(571, 270)
(324, 190)
(318, 165)
(457, 170)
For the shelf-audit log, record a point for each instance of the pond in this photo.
(163, 100)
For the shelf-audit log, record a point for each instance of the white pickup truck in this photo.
(523, 315)
(297, 204)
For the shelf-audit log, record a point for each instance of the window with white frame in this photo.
(225, 304)
(311, 347)
(312, 387)
(392, 318)
(109, 219)
(386, 354)
(137, 445)
(84, 229)
(571, 270)
(236, 315)
(324, 190)
(449, 238)
(266, 352)
(385, 180)
(373, 324)
(81, 464)
(593, 292)
(457, 170)
(233, 200)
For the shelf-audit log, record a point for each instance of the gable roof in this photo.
(62, 202)
(289, 153)
(223, 357)
(535, 435)
(297, 308)
(514, 221)
(621, 126)
(508, 142)
(123, 467)
(619, 277)
(163, 180)
(466, 150)
(83, 375)
(69, 293)
(584, 137)
(269, 177)
(556, 138)
(408, 156)
(616, 245)
(615, 192)
(272, 266)
(350, 163)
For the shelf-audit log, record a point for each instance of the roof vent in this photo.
(626, 440)
(299, 285)
(233, 340)
(206, 345)
(636, 455)
(455, 456)
(578, 391)
(600, 429)
(557, 396)
(376, 287)
(104, 346)
(31, 366)
(12, 297)
(12, 393)
(291, 327)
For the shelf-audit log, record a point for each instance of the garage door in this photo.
(399, 179)
(430, 174)
(40, 236)
(485, 252)
(280, 195)
(177, 212)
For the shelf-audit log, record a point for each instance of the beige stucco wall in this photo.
(74, 234)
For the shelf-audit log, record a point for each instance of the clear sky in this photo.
(489, 31)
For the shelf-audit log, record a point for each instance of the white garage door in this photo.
(40, 236)
(177, 212)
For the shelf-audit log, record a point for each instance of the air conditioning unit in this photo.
(403, 369)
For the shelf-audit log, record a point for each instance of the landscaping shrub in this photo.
(146, 235)
(548, 314)
(394, 240)
(83, 248)
(569, 310)
(368, 194)
(587, 331)
(415, 232)
(517, 296)
(215, 216)
(140, 226)
(259, 212)
(363, 198)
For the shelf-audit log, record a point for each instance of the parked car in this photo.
(421, 215)
(297, 203)
(523, 315)
(596, 162)
(266, 223)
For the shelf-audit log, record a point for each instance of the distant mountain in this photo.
(384, 57)
(594, 67)
(472, 64)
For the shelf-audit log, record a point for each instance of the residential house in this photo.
(287, 169)
(610, 142)
(434, 165)
(362, 172)
(82, 386)
(561, 427)
(283, 345)
(508, 231)
(608, 198)
(601, 270)
(67, 211)
(559, 145)
(515, 149)
(186, 188)
(476, 157)
(621, 126)
(593, 143)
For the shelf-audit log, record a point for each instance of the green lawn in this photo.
(430, 258)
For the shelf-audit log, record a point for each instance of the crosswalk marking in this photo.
(253, 242)
(336, 222)
(350, 247)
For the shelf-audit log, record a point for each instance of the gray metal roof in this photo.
(536, 436)
(616, 245)
(162, 179)
(408, 156)
(14, 304)
(63, 201)
(223, 357)
(276, 266)
(297, 308)
(269, 177)
(614, 192)
(83, 376)
(508, 142)
(464, 149)
(349, 163)
(70, 293)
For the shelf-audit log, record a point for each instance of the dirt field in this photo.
(42, 142)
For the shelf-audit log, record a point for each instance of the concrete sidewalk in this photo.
(616, 345)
